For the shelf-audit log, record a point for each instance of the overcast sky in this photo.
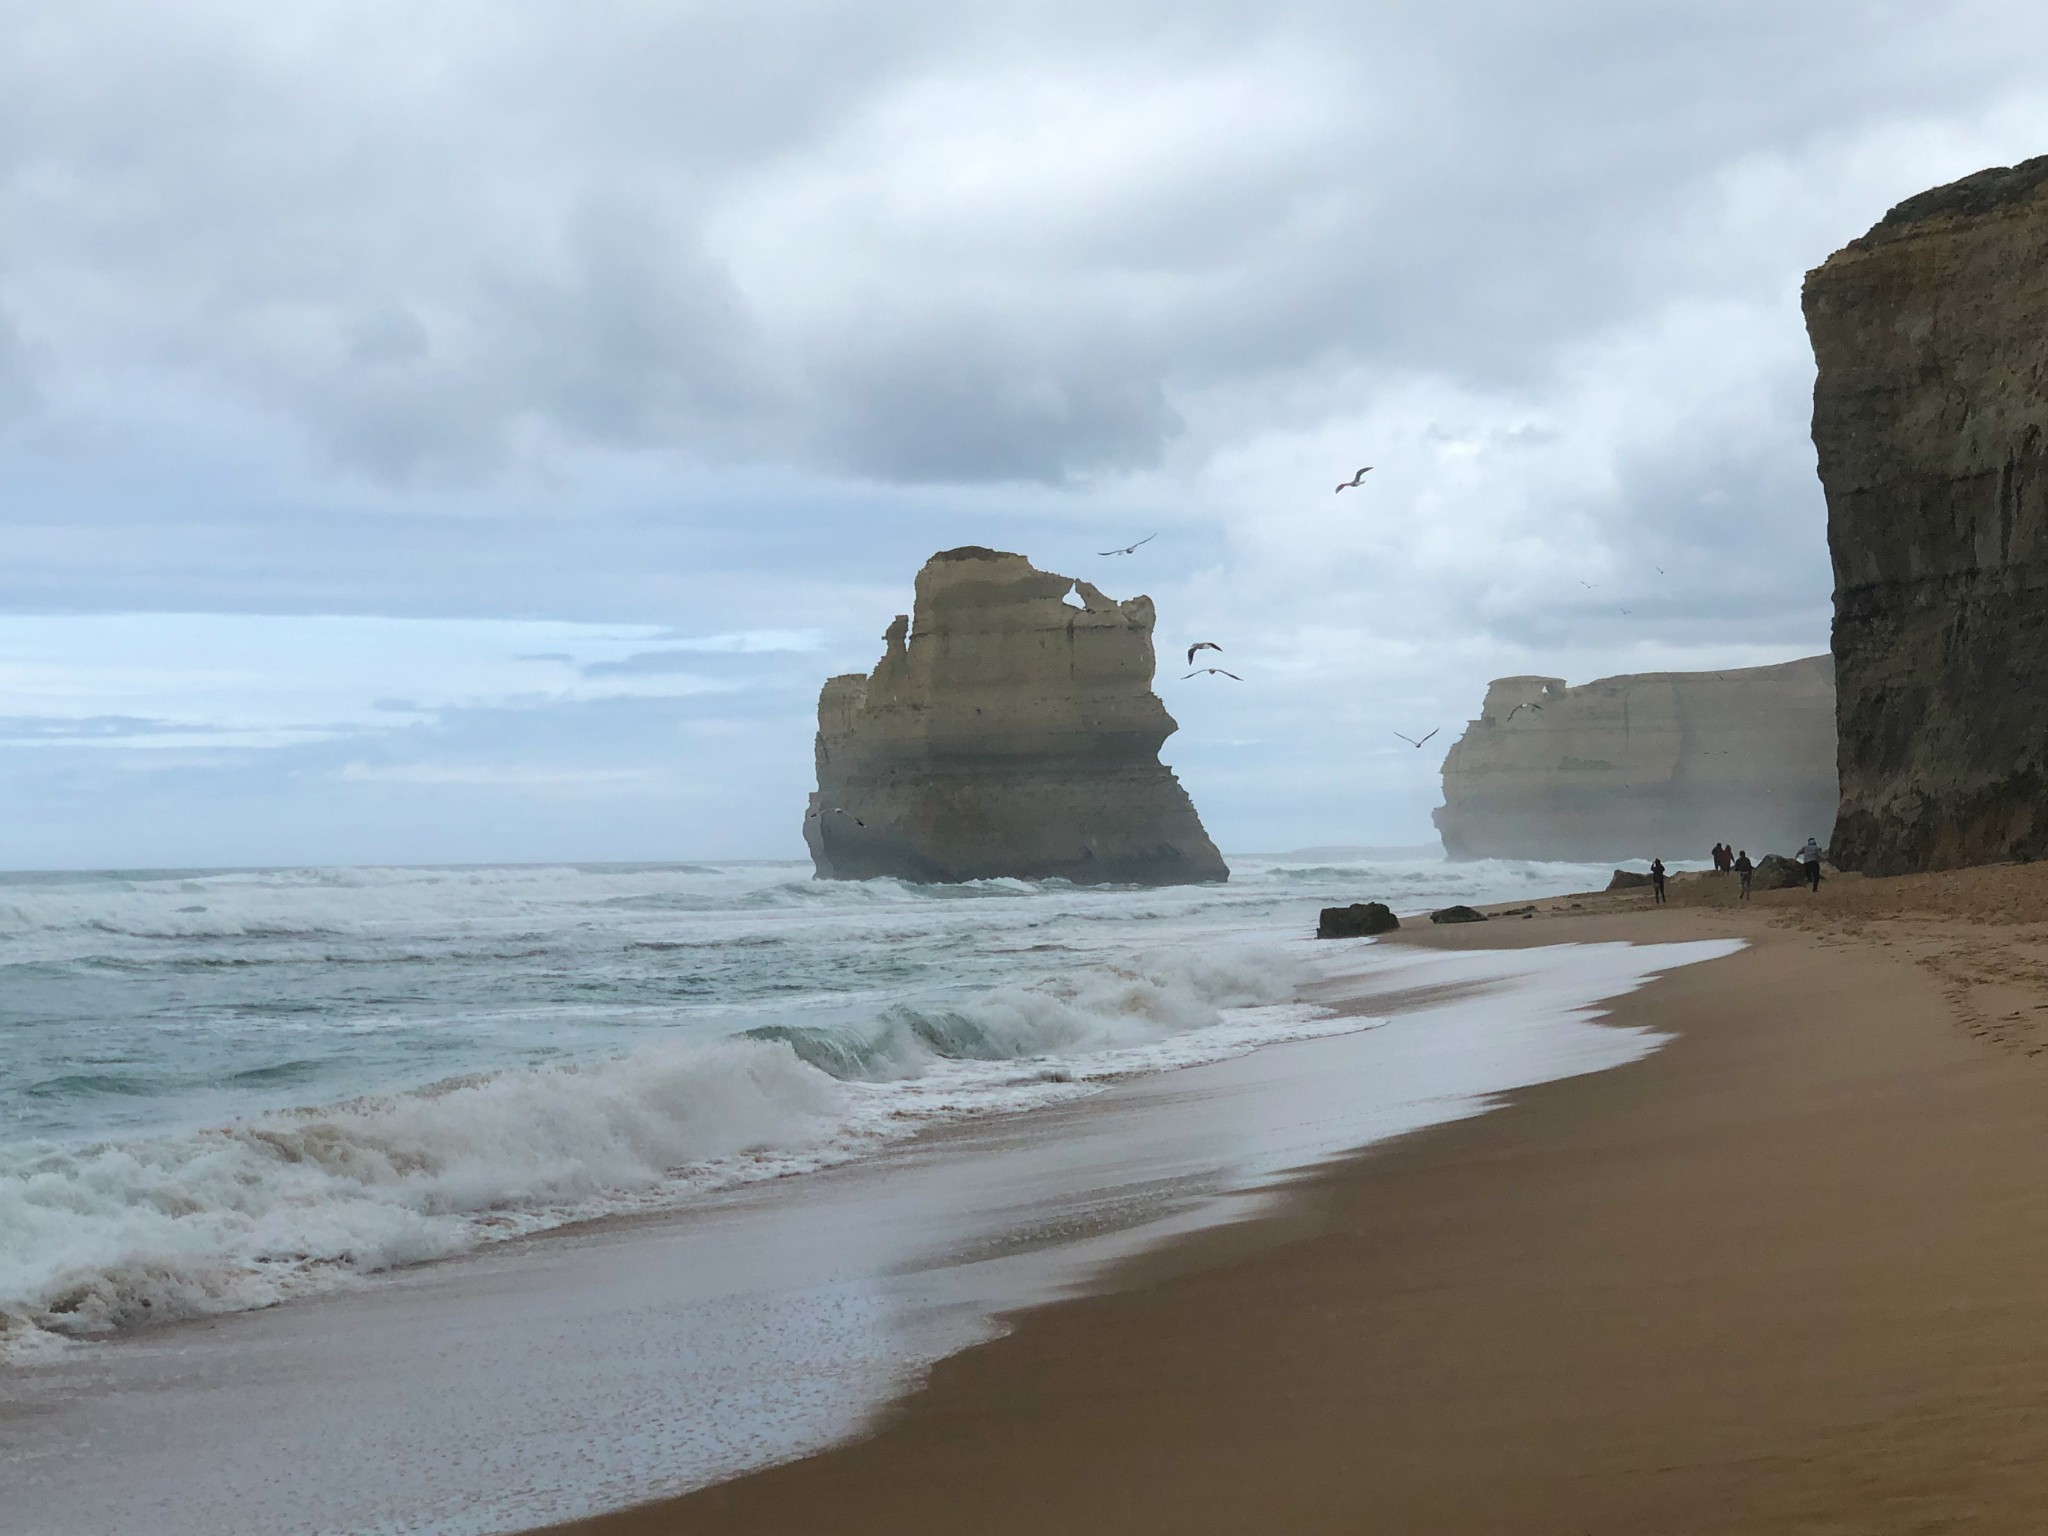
(471, 431)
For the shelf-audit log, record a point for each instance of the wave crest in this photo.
(97, 1238)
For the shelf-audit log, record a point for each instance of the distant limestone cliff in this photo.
(1663, 763)
(1930, 414)
(1006, 732)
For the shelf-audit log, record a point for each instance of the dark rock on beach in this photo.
(1360, 920)
(1457, 915)
(1930, 416)
(1628, 880)
(1775, 872)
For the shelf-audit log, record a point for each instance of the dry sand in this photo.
(1789, 1274)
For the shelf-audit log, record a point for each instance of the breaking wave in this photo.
(222, 1089)
(99, 1237)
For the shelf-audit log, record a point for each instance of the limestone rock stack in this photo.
(1661, 763)
(1006, 732)
(1930, 414)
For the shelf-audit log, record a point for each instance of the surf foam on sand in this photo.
(295, 1202)
(225, 1090)
(620, 1363)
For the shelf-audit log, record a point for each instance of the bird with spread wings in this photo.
(1129, 548)
(1413, 742)
(1356, 479)
(1213, 671)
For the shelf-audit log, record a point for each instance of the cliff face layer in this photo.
(1005, 733)
(1930, 415)
(1664, 763)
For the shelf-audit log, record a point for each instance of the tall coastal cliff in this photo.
(1632, 767)
(1930, 416)
(1005, 732)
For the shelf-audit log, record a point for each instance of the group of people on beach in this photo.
(1729, 860)
(1726, 859)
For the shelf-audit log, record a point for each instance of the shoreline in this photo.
(620, 1360)
(458, 1079)
(1779, 1276)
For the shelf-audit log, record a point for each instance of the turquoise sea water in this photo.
(219, 1089)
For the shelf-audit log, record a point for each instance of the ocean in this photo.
(220, 1090)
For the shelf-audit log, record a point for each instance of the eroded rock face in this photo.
(1006, 733)
(1657, 764)
(1930, 415)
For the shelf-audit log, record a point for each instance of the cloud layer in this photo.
(717, 320)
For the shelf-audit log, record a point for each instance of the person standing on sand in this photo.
(1809, 858)
(1657, 878)
(1745, 869)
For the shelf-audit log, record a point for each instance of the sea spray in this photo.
(111, 1234)
(223, 1090)
(250, 1213)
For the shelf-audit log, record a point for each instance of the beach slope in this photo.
(1785, 1275)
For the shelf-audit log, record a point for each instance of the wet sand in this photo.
(596, 1367)
(1785, 1275)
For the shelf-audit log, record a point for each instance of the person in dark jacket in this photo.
(1657, 877)
(1745, 869)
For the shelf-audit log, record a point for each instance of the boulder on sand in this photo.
(1457, 915)
(1360, 920)
(1628, 880)
(1775, 872)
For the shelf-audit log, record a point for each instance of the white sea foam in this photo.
(246, 1214)
(694, 1351)
(223, 1089)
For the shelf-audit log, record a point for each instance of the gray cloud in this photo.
(110, 728)
(721, 319)
(18, 392)
(924, 245)
(647, 664)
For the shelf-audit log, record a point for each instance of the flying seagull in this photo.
(1413, 742)
(1128, 548)
(1212, 671)
(1354, 480)
(840, 810)
(1519, 708)
(1201, 645)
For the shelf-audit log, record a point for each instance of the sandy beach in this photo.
(1784, 1275)
(685, 691)
(600, 1364)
